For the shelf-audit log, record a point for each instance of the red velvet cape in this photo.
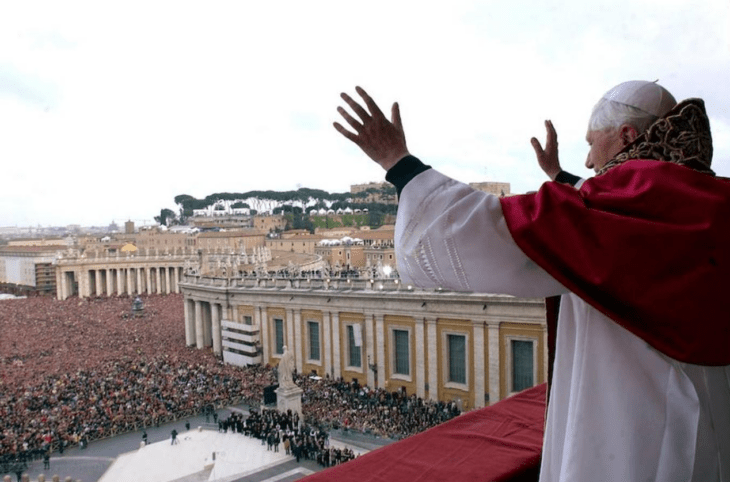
(647, 244)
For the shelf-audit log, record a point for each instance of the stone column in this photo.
(129, 281)
(167, 280)
(62, 289)
(83, 283)
(327, 335)
(216, 322)
(148, 280)
(263, 319)
(159, 280)
(289, 335)
(175, 279)
(336, 349)
(189, 322)
(97, 280)
(433, 380)
(369, 349)
(207, 323)
(139, 281)
(380, 333)
(420, 359)
(479, 374)
(199, 339)
(120, 284)
(109, 282)
(300, 347)
(494, 365)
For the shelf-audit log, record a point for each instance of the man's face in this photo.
(604, 145)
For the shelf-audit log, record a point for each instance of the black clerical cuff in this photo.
(405, 170)
(567, 178)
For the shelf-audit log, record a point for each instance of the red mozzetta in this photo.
(647, 244)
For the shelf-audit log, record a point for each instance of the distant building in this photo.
(128, 271)
(382, 236)
(28, 269)
(224, 221)
(153, 239)
(500, 189)
(304, 243)
(385, 193)
(382, 254)
(55, 242)
(343, 255)
(129, 227)
(472, 348)
(268, 223)
(230, 241)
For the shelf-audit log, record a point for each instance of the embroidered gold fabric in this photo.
(681, 137)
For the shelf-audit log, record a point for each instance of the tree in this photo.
(165, 216)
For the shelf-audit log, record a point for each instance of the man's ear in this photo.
(628, 134)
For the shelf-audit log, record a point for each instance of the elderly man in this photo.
(640, 256)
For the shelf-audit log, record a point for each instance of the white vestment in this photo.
(619, 409)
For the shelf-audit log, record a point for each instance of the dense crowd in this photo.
(299, 440)
(81, 369)
(348, 405)
(77, 370)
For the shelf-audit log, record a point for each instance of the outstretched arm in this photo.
(382, 140)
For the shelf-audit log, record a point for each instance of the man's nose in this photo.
(589, 164)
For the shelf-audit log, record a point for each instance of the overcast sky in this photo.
(110, 110)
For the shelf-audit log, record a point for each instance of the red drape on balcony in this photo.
(498, 443)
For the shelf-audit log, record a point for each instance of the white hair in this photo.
(608, 114)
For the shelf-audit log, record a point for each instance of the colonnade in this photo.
(108, 281)
(437, 345)
(203, 324)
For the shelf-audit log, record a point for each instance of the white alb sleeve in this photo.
(451, 236)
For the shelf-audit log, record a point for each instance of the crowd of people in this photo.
(82, 369)
(275, 429)
(77, 370)
(350, 406)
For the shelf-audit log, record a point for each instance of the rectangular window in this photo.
(402, 360)
(457, 358)
(279, 327)
(522, 365)
(353, 349)
(313, 340)
(247, 320)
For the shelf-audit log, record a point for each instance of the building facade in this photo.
(303, 243)
(471, 348)
(97, 273)
(29, 269)
(230, 241)
(267, 223)
(342, 255)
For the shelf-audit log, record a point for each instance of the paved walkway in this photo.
(239, 458)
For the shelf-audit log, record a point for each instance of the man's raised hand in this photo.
(548, 158)
(382, 140)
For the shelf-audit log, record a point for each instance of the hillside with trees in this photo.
(295, 205)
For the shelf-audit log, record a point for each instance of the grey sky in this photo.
(107, 111)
